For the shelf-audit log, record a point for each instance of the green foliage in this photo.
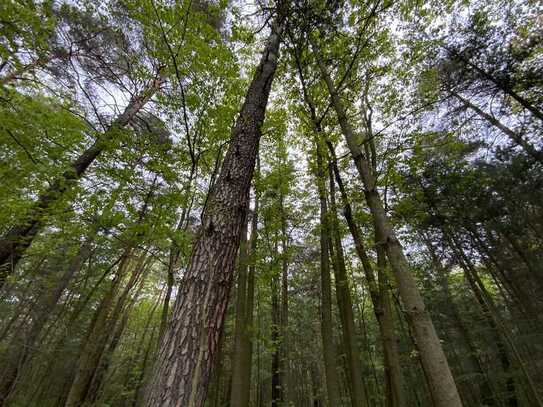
(465, 200)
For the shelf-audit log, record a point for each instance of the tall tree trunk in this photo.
(139, 389)
(345, 305)
(516, 138)
(110, 310)
(379, 295)
(327, 329)
(284, 351)
(276, 385)
(248, 354)
(41, 313)
(96, 341)
(190, 344)
(489, 312)
(143, 349)
(241, 364)
(505, 362)
(116, 329)
(390, 347)
(45, 383)
(240, 330)
(504, 87)
(441, 381)
(20, 236)
(474, 367)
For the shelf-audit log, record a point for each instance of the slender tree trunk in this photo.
(241, 364)
(345, 305)
(284, 351)
(95, 345)
(379, 295)
(45, 384)
(505, 362)
(139, 390)
(133, 381)
(16, 73)
(88, 377)
(327, 329)
(190, 343)
(240, 330)
(516, 138)
(170, 280)
(116, 329)
(390, 347)
(276, 385)
(485, 391)
(248, 354)
(501, 85)
(175, 252)
(503, 340)
(20, 236)
(440, 378)
(42, 312)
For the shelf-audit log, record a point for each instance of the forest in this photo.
(305, 203)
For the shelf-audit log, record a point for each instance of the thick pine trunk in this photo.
(190, 343)
(440, 378)
(20, 236)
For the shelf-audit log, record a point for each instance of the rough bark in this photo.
(441, 381)
(20, 236)
(190, 344)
